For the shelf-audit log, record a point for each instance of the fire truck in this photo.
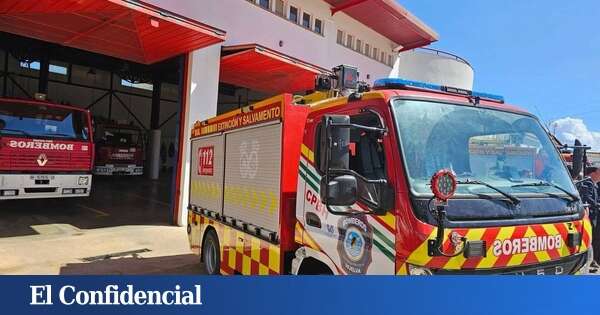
(46, 150)
(405, 178)
(119, 149)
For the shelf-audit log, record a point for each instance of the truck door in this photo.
(359, 244)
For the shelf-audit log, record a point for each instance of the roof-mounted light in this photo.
(394, 83)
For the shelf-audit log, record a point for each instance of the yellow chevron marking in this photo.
(306, 152)
(517, 259)
(403, 270)
(420, 257)
(490, 259)
(458, 261)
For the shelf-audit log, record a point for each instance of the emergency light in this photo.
(394, 83)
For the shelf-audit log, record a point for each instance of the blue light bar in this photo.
(394, 83)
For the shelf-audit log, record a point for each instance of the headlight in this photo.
(418, 271)
(83, 181)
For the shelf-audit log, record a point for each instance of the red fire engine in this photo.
(119, 150)
(409, 178)
(46, 150)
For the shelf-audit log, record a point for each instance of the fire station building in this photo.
(162, 65)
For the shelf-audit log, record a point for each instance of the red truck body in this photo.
(119, 150)
(46, 150)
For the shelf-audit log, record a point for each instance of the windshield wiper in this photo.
(542, 183)
(513, 200)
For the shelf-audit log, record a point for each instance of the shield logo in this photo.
(42, 160)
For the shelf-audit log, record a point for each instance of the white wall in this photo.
(201, 103)
(246, 23)
(434, 67)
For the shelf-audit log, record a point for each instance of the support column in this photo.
(155, 133)
(201, 91)
(44, 72)
(5, 81)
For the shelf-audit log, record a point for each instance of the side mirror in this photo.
(577, 159)
(334, 150)
(340, 191)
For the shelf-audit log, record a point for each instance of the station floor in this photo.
(122, 228)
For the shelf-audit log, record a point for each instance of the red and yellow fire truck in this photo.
(408, 178)
(46, 150)
(119, 149)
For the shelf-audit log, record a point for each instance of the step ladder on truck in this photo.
(402, 178)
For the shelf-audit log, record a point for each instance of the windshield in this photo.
(42, 121)
(506, 150)
(123, 137)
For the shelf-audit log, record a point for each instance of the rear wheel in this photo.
(211, 253)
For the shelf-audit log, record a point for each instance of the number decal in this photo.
(206, 157)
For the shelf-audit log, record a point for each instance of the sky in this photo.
(542, 55)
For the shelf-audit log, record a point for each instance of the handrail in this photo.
(447, 54)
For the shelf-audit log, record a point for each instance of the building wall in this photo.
(247, 23)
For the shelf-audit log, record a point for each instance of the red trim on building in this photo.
(183, 140)
(389, 19)
(262, 69)
(126, 29)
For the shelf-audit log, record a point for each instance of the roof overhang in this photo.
(262, 69)
(389, 19)
(126, 29)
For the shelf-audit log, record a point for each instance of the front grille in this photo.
(564, 266)
(55, 161)
(40, 190)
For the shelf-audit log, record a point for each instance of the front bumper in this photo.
(37, 186)
(566, 266)
(127, 170)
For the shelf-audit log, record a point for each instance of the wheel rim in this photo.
(211, 257)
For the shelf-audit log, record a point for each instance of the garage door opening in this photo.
(128, 101)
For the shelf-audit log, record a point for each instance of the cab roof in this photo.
(387, 94)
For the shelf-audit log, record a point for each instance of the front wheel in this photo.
(211, 254)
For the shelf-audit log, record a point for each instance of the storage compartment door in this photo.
(206, 187)
(252, 176)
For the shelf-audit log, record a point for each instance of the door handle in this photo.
(313, 220)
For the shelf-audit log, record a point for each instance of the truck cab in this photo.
(119, 150)
(366, 205)
(46, 150)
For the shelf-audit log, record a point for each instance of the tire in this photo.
(211, 254)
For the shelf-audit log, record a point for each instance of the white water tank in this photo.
(434, 66)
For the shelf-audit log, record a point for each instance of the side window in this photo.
(367, 156)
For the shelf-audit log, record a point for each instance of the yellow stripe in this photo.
(420, 256)
(403, 270)
(342, 101)
(490, 259)
(587, 226)
(274, 257)
(246, 265)
(263, 270)
(307, 153)
(551, 230)
(458, 261)
(255, 249)
(390, 220)
(298, 234)
(517, 259)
